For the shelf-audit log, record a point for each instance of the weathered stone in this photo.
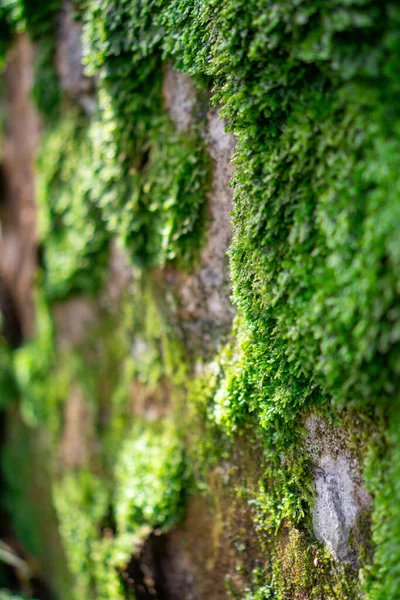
(78, 440)
(18, 235)
(180, 97)
(340, 496)
(69, 58)
(204, 310)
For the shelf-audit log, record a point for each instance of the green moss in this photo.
(383, 579)
(72, 228)
(310, 90)
(46, 91)
(33, 364)
(147, 494)
(81, 501)
(33, 15)
(303, 568)
(159, 182)
(149, 488)
(39, 20)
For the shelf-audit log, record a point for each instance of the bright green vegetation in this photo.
(146, 494)
(310, 90)
(75, 252)
(107, 504)
(382, 475)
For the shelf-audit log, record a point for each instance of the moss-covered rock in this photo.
(309, 90)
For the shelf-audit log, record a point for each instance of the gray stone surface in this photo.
(204, 309)
(69, 59)
(335, 511)
(179, 97)
(340, 497)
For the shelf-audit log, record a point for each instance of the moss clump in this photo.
(34, 16)
(73, 231)
(38, 19)
(81, 502)
(155, 179)
(33, 364)
(303, 569)
(147, 494)
(382, 476)
(149, 488)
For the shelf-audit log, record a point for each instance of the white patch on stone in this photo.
(335, 511)
(340, 496)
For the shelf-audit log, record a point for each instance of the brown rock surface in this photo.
(18, 239)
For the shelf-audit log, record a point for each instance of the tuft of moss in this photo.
(147, 494)
(72, 229)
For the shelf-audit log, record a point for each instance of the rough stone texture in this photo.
(73, 320)
(215, 545)
(77, 443)
(204, 310)
(180, 98)
(340, 497)
(120, 278)
(75, 317)
(69, 58)
(18, 238)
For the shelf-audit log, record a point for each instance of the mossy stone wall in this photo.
(266, 385)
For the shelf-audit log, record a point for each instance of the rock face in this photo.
(180, 98)
(340, 497)
(336, 510)
(205, 311)
(18, 239)
(69, 58)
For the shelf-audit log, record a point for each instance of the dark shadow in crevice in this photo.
(144, 576)
(10, 325)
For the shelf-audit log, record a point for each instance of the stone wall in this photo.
(199, 297)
